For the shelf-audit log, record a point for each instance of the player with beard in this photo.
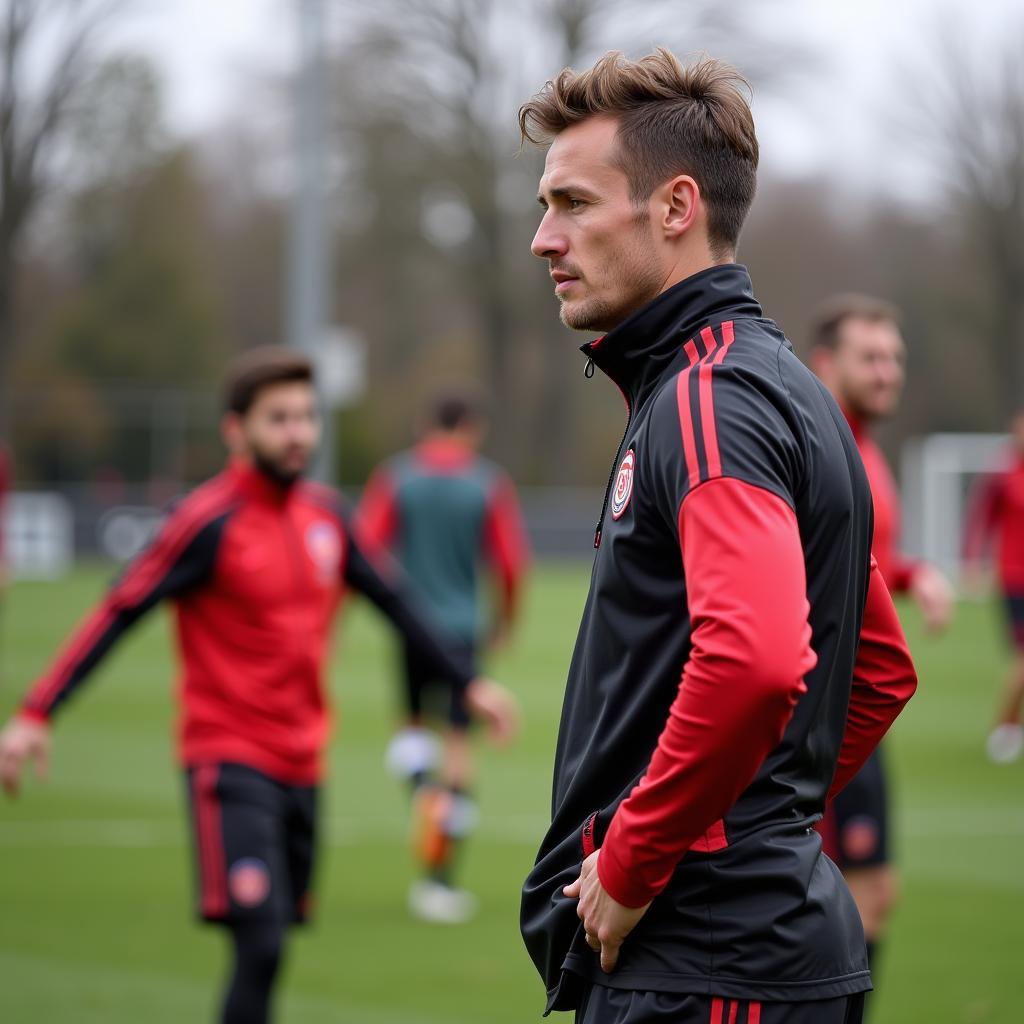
(255, 561)
(859, 354)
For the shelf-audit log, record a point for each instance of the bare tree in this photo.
(454, 72)
(58, 36)
(966, 119)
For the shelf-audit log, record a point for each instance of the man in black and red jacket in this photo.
(255, 561)
(739, 656)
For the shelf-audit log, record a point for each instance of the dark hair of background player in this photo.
(829, 318)
(259, 368)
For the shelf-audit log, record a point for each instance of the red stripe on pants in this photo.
(212, 880)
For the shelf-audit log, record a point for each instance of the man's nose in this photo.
(547, 242)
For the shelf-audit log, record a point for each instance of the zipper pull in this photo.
(597, 536)
(588, 370)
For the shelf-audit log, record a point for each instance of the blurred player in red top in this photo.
(255, 561)
(5, 484)
(446, 513)
(860, 356)
(998, 514)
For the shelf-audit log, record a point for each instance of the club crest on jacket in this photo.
(623, 485)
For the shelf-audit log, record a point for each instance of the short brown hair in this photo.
(672, 120)
(827, 322)
(453, 409)
(259, 368)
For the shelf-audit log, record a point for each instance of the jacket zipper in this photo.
(588, 372)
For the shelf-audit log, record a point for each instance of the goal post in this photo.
(938, 477)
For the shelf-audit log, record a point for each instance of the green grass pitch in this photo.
(95, 885)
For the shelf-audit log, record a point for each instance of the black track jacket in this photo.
(738, 658)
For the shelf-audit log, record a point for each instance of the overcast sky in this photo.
(207, 48)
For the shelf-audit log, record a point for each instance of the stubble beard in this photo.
(869, 409)
(637, 270)
(273, 470)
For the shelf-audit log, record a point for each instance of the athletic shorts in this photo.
(860, 818)
(254, 842)
(1015, 616)
(603, 1005)
(426, 694)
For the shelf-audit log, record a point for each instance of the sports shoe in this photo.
(1005, 743)
(440, 904)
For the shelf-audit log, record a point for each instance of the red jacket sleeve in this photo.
(506, 545)
(751, 648)
(901, 573)
(180, 557)
(883, 681)
(376, 518)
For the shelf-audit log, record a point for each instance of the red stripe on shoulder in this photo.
(194, 513)
(686, 415)
(707, 402)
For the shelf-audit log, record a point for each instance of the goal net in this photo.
(939, 474)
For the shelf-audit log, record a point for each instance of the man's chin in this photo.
(583, 318)
(284, 474)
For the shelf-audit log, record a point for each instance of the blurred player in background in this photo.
(445, 512)
(255, 561)
(5, 486)
(859, 354)
(997, 514)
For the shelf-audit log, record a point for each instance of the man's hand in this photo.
(933, 594)
(975, 581)
(23, 740)
(605, 922)
(497, 637)
(496, 707)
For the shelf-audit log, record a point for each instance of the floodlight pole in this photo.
(309, 246)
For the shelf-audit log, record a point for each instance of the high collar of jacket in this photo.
(443, 452)
(637, 352)
(256, 485)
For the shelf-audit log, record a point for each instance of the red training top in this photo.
(998, 511)
(443, 510)
(256, 571)
(897, 570)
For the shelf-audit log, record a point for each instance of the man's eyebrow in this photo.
(564, 192)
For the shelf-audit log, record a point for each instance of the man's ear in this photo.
(232, 433)
(821, 361)
(682, 205)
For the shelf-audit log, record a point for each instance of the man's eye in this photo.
(576, 204)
